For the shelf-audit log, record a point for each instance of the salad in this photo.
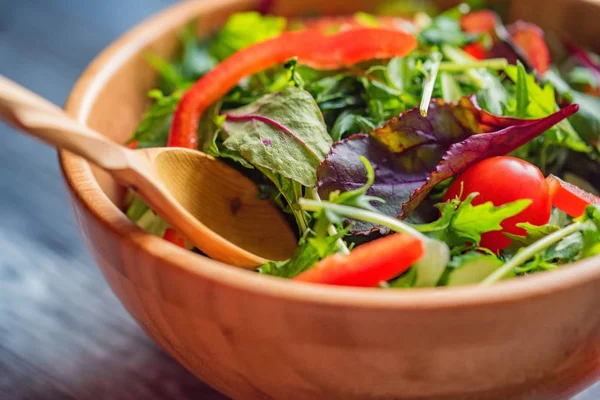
(408, 147)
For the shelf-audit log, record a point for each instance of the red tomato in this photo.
(503, 180)
(368, 265)
(568, 197)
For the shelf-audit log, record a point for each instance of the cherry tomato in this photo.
(503, 180)
(568, 197)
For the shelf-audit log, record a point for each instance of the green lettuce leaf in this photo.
(244, 29)
(282, 132)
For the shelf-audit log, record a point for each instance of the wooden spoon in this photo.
(213, 205)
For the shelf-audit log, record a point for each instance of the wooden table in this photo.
(63, 335)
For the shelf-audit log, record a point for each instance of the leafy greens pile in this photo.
(382, 140)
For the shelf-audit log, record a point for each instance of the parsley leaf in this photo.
(462, 222)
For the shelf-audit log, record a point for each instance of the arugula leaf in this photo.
(591, 231)
(334, 94)
(462, 222)
(193, 62)
(282, 132)
(562, 136)
(522, 91)
(171, 78)
(567, 250)
(307, 254)
(533, 233)
(349, 122)
(244, 29)
(429, 268)
(542, 254)
(412, 154)
(196, 60)
(153, 131)
(318, 243)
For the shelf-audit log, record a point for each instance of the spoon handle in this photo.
(42, 119)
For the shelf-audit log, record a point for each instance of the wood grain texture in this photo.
(211, 204)
(64, 335)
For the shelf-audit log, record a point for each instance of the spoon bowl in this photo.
(227, 203)
(210, 203)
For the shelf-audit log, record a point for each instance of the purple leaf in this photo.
(411, 154)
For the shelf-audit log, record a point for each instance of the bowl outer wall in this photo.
(260, 337)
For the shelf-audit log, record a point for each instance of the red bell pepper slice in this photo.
(475, 50)
(312, 48)
(568, 197)
(482, 21)
(171, 235)
(329, 25)
(369, 264)
(133, 145)
(530, 38)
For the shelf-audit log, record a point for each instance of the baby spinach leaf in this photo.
(282, 132)
(349, 122)
(412, 154)
(244, 29)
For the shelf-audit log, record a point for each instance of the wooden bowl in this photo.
(257, 337)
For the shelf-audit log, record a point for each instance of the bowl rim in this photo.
(87, 192)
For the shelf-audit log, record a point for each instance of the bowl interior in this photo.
(115, 103)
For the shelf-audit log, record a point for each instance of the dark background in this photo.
(63, 335)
